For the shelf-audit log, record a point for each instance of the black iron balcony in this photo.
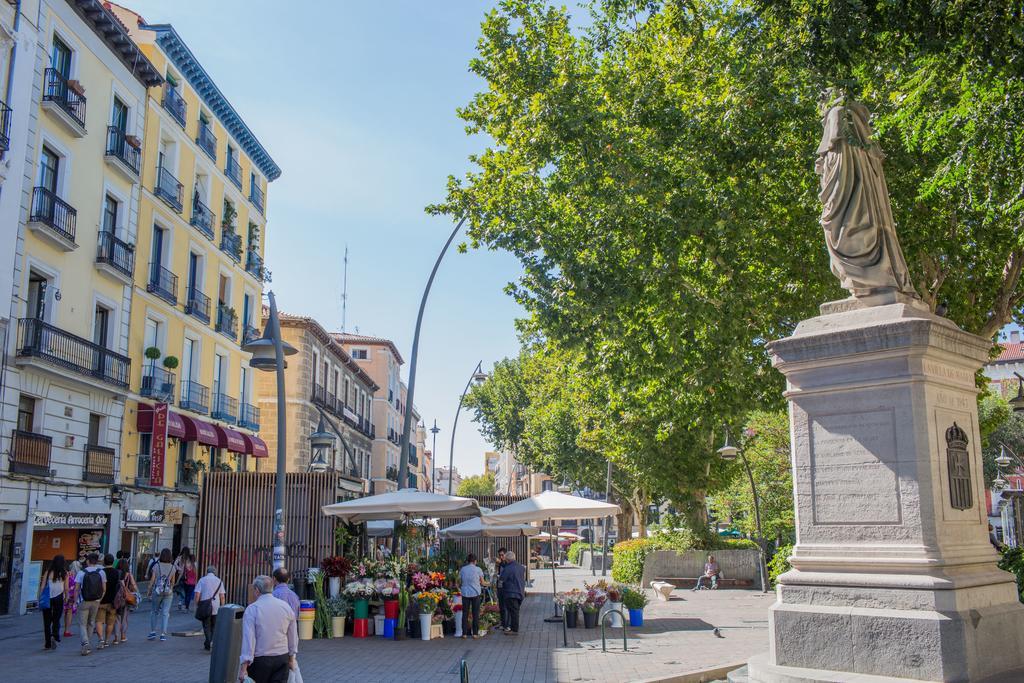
(254, 264)
(38, 339)
(174, 104)
(391, 473)
(116, 253)
(30, 453)
(163, 283)
(197, 305)
(249, 416)
(231, 244)
(143, 471)
(206, 140)
(194, 397)
(99, 464)
(157, 383)
(5, 127)
(53, 212)
(227, 321)
(202, 217)
(224, 408)
(233, 170)
(256, 196)
(168, 188)
(121, 149)
(61, 92)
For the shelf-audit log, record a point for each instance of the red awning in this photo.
(144, 421)
(255, 446)
(200, 431)
(230, 439)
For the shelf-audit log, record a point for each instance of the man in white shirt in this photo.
(211, 588)
(270, 637)
(90, 591)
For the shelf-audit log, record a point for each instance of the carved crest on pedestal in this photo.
(959, 462)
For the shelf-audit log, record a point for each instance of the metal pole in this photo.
(553, 543)
(607, 520)
(403, 456)
(282, 440)
(433, 455)
(455, 424)
(757, 522)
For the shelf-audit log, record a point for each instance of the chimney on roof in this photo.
(1015, 337)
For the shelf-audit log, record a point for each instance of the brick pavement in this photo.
(677, 636)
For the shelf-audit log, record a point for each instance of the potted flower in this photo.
(427, 603)
(388, 590)
(337, 608)
(336, 568)
(593, 601)
(570, 602)
(456, 600)
(490, 617)
(634, 600)
(360, 593)
(614, 595)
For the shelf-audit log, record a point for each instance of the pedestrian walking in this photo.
(106, 616)
(471, 584)
(55, 585)
(282, 591)
(162, 578)
(270, 638)
(187, 577)
(130, 601)
(92, 585)
(210, 595)
(501, 600)
(513, 587)
(71, 597)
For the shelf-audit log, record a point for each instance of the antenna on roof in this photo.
(344, 290)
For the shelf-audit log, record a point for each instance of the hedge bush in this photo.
(779, 564)
(575, 549)
(628, 560)
(1012, 560)
(628, 556)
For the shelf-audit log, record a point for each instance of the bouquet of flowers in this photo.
(633, 598)
(421, 581)
(456, 599)
(437, 579)
(490, 616)
(336, 566)
(594, 599)
(427, 601)
(571, 599)
(388, 589)
(614, 592)
(359, 590)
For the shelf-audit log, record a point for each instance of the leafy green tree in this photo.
(477, 485)
(999, 426)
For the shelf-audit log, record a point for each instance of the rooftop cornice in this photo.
(112, 32)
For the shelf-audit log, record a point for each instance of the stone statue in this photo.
(856, 214)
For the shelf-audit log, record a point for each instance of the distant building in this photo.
(441, 477)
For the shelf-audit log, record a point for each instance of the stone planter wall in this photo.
(735, 564)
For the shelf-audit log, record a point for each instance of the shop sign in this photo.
(172, 515)
(158, 445)
(145, 517)
(79, 520)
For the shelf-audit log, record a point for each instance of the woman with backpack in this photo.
(55, 584)
(187, 577)
(162, 579)
(131, 599)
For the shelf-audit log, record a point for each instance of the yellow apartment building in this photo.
(68, 376)
(197, 293)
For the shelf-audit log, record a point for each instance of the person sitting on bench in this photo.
(711, 571)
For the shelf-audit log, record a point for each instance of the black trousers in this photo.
(208, 625)
(269, 669)
(51, 619)
(501, 609)
(470, 605)
(512, 607)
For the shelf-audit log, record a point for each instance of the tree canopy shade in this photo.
(478, 485)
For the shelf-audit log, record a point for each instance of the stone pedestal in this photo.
(893, 574)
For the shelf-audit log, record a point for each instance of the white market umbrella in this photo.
(401, 505)
(476, 527)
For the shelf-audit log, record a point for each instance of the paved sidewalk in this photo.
(677, 636)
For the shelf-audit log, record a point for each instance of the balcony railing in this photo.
(116, 253)
(168, 188)
(58, 91)
(227, 321)
(391, 473)
(197, 305)
(163, 283)
(207, 140)
(254, 265)
(195, 397)
(174, 104)
(248, 416)
(256, 196)
(231, 244)
(38, 339)
(53, 212)
(224, 408)
(233, 170)
(157, 383)
(119, 148)
(202, 217)
(249, 332)
(143, 471)
(99, 464)
(30, 453)
(5, 127)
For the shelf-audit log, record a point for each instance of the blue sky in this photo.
(356, 102)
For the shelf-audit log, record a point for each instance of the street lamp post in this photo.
(729, 452)
(477, 377)
(268, 354)
(433, 455)
(403, 456)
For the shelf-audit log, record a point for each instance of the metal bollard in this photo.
(604, 644)
(227, 644)
(463, 672)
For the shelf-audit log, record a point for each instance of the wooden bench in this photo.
(690, 582)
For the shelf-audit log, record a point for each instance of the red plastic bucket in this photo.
(391, 609)
(361, 628)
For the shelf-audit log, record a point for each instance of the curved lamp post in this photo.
(478, 377)
(729, 452)
(268, 352)
(321, 440)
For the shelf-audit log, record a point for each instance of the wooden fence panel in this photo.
(480, 547)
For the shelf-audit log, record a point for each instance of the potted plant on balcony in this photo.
(133, 142)
(190, 470)
(76, 87)
(170, 362)
(152, 353)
